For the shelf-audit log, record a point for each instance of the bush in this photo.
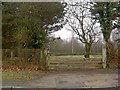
(113, 55)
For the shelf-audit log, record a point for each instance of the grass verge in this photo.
(16, 75)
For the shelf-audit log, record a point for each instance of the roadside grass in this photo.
(18, 69)
(16, 75)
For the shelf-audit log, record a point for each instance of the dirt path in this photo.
(74, 79)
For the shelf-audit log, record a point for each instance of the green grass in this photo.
(15, 75)
(75, 57)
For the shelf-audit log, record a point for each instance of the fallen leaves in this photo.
(17, 68)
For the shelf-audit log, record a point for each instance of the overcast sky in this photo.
(63, 33)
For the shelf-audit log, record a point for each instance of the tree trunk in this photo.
(106, 54)
(119, 56)
(87, 50)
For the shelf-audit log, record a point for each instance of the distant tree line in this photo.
(64, 47)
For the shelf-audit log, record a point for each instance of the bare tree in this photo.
(79, 20)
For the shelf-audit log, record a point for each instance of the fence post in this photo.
(47, 57)
(11, 53)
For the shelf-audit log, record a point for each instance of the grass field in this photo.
(75, 57)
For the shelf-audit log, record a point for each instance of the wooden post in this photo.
(72, 42)
(41, 54)
(11, 53)
(104, 57)
(47, 57)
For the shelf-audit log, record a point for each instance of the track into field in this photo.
(74, 62)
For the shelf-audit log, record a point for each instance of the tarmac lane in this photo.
(98, 78)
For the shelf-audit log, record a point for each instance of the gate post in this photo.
(104, 57)
(47, 54)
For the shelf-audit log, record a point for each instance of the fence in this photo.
(24, 53)
(24, 57)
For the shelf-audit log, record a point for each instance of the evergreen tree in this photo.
(107, 15)
(27, 24)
